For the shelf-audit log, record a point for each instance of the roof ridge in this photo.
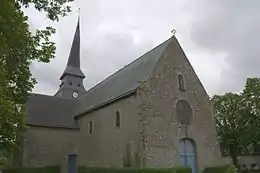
(104, 80)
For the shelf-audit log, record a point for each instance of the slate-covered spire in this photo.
(73, 64)
(72, 78)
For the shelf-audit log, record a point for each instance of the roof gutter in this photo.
(122, 96)
(52, 126)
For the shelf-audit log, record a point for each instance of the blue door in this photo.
(187, 154)
(72, 168)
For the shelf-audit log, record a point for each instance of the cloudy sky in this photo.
(220, 38)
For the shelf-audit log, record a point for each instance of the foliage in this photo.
(18, 49)
(46, 169)
(182, 169)
(251, 96)
(166, 170)
(230, 123)
(54, 8)
(83, 169)
(133, 170)
(220, 169)
(3, 162)
(237, 118)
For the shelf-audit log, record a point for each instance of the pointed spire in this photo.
(74, 58)
(73, 64)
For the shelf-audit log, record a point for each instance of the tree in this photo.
(230, 123)
(237, 118)
(18, 49)
(251, 96)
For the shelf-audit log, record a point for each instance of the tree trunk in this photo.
(234, 160)
(233, 154)
(18, 149)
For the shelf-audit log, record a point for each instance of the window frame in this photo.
(90, 130)
(118, 119)
(181, 82)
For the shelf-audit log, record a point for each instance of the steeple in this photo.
(73, 64)
(72, 78)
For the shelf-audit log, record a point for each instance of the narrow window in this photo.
(90, 127)
(117, 119)
(181, 83)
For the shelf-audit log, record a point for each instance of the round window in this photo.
(183, 112)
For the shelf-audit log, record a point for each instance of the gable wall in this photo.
(106, 145)
(162, 131)
(48, 146)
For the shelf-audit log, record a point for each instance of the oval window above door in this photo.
(184, 112)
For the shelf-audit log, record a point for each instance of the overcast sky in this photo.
(219, 37)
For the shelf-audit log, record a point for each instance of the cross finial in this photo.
(78, 14)
(173, 31)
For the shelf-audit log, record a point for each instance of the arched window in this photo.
(181, 83)
(117, 119)
(90, 127)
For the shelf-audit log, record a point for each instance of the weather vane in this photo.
(173, 31)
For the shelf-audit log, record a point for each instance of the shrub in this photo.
(133, 170)
(220, 169)
(182, 169)
(3, 162)
(82, 169)
(46, 169)
(152, 170)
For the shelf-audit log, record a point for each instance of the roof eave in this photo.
(125, 95)
(52, 126)
(80, 74)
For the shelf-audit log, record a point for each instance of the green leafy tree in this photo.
(237, 118)
(251, 102)
(18, 49)
(230, 123)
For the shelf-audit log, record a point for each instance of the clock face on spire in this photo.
(75, 95)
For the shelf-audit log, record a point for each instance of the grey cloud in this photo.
(108, 54)
(116, 32)
(46, 77)
(111, 37)
(230, 27)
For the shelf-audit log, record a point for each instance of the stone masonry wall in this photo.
(162, 131)
(49, 146)
(106, 145)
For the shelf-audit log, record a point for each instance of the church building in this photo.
(154, 112)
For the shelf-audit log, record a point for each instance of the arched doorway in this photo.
(187, 154)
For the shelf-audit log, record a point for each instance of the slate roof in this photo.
(51, 111)
(73, 65)
(123, 82)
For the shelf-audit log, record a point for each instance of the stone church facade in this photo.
(155, 107)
